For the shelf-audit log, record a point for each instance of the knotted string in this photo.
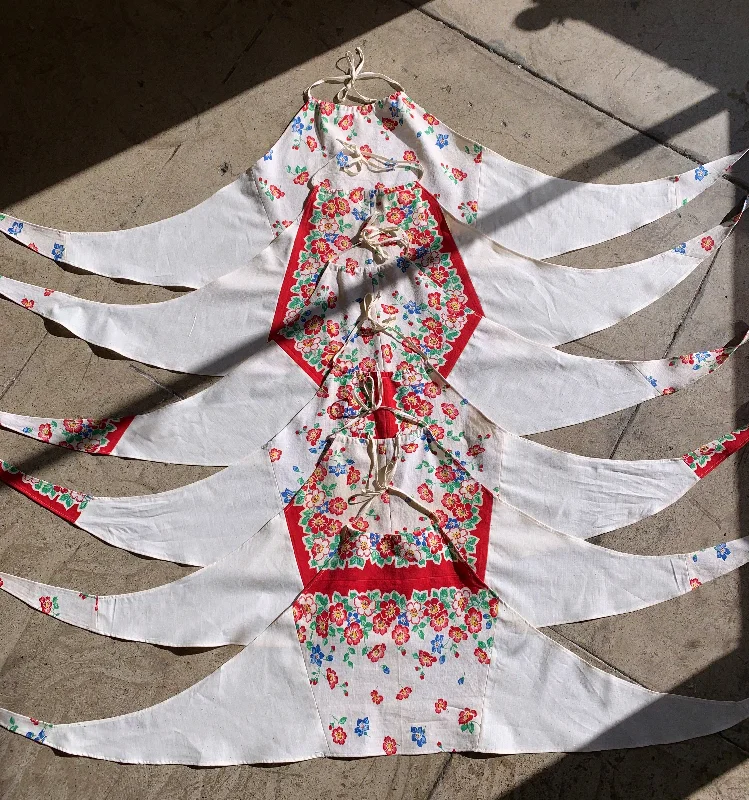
(375, 162)
(375, 237)
(353, 74)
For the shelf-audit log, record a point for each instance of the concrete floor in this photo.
(119, 116)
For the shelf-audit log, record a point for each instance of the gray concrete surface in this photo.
(219, 81)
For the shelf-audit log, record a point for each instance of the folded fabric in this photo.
(204, 521)
(516, 206)
(400, 647)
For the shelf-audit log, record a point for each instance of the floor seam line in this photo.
(569, 92)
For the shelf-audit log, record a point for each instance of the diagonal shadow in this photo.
(135, 122)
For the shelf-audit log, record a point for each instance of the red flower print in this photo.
(339, 735)
(321, 624)
(694, 583)
(473, 204)
(494, 607)
(33, 247)
(482, 656)
(474, 620)
(312, 143)
(457, 634)
(346, 122)
(48, 292)
(376, 653)
(313, 436)
(73, 425)
(431, 390)
(434, 542)
(433, 607)
(318, 474)
(440, 621)
(380, 625)
(440, 706)
(426, 659)
(445, 474)
(458, 174)
(450, 500)
(433, 341)
(387, 353)
(404, 693)
(390, 746)
(466, 715)
(707, 243)
(389, 124)
(405, 197)
(395, 216)
(337, 506)
(386, 549)
(321, 248)
(336, 410)
(353, 633)
(449, 410)
(365, 109)
(455, 307)
(318, 523)
(401, 635)
(389, 609)
(326, 107)
(463, 512)
(301, 178)
(337, 613)
(430, 119)
(1, 581)
(307, 291)
(332, 677)
(377, 698)
(410, 447)
(274, 454)
(433, 300)
(439, 275)
(343, 243)
(367, 365)
(366, 149)
(356, 195)
(410, 156)
(301, 633)
(420, 238)
(276, 192)
(45, 432)
(313, 325)
(425, 493)
(45, 603)
(437, 431)
(358, 524)
(26, 303)
(475, 450)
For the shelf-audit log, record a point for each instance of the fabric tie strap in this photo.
(353, 74)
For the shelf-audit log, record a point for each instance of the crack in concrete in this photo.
(155, 382)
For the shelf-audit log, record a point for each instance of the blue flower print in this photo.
(337, 469)
(57, 251)
(442, 140)
(362, 727)
(385, 669)
(681, 248)
(438, 643)
(651, 380)
(418, 735)
(394, 108)
(359, 215)
(403, 619)
(297, 125)
(331, 237)
(352, 616)
(700, 173)
(269, 155)
(287, 495)
(412, 307)
(402, 263)
(342, 160)
(27, 430)
(722, 551)
(452, 524)
(15, 228)
(316, 655)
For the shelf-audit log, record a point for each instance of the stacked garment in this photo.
(382, 541)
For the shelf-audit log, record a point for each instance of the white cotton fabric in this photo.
(518, 207)
(547, 577)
